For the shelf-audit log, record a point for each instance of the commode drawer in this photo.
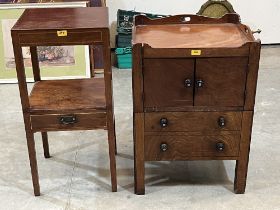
(192, 121)
(183, 147)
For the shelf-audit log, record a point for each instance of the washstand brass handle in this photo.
(68, 119)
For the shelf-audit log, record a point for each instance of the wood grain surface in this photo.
(68, 95)
(224, 81)
(63, 18)
(164, 81)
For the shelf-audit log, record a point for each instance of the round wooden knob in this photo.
(163, 147)
(188, 83)
(163, 122)
(199, 83)
(220, 146)
(222, 122)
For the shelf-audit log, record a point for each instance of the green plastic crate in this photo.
(124, 57)
(123, 40)
(125, 20)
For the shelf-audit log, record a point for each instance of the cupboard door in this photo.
(220, 81)
(168, 82)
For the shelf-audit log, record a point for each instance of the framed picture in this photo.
(59, 62)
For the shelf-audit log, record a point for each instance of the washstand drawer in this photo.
(78, 121)
(60, 36)
(184, 147)
(192, 121)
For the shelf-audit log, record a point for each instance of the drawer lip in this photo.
(194, 109)
(192, 133)
(149, 52)
(85, 121)
(192, 121)
(186, 146)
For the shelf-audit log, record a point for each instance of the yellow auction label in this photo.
(62, 33)
(196, 52)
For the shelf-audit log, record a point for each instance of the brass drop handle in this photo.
(199, 83)
(188, 83)
(163, 122)
(222, 122)
(220, 146)
(68, 119)
(163, 147)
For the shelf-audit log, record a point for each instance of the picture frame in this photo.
(56, 62)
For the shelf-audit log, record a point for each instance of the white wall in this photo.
(263, 14)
